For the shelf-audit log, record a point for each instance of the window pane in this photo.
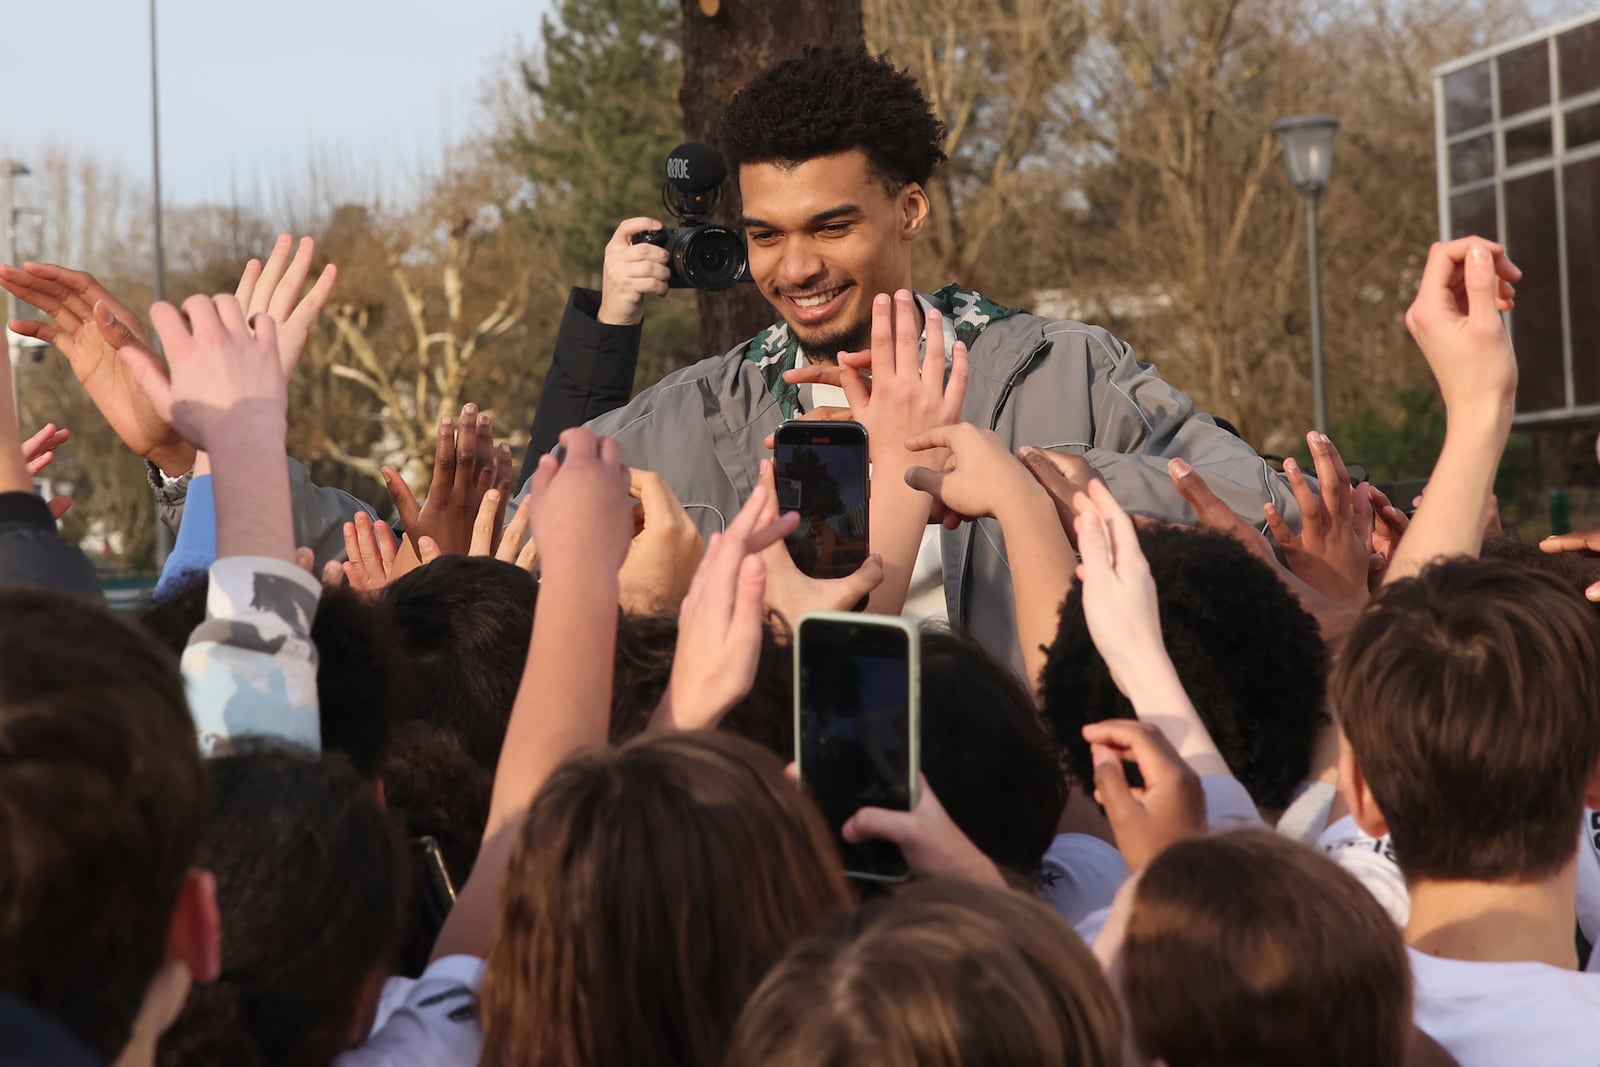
(1536, 322)
(1578, 52)
(1466, 99)
(1472, 215)
(1472, 159)
(1583, 126)
(1582, 181)
(1529, 142)
(1524, 79)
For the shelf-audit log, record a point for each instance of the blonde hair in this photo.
(944, 974)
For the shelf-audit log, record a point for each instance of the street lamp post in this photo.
(11, 170)
(1308, 153)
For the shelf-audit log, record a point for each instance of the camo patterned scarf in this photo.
(775, 350)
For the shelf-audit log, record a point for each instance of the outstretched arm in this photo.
(583, 524)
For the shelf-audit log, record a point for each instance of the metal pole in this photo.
(1319, 399)
(13, 350)
(155, 157)
(163, 539)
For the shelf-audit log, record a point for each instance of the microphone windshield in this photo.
(695, 166)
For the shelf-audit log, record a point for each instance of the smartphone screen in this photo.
(822, 474)
(856, 726)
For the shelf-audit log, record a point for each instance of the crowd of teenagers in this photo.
(506, 781)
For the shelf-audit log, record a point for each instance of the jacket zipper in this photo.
(994, 422)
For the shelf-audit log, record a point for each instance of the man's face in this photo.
(825, 237)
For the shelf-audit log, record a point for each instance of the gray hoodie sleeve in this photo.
(320, 512)
(1141, 421)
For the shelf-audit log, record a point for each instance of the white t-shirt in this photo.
(1493, 1014)
(1371, 860)
(1080, 875)
(1589, 886)
(430, 1021)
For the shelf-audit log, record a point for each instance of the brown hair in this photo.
(1249, 948)
(102, 797)
(1470, 696)
(944, 974)
(651, 888)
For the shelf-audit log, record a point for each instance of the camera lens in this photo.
(710, 257)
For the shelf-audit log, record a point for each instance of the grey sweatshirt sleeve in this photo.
(320, 512)
(1141, 421)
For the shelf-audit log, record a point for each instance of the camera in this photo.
(702, 255)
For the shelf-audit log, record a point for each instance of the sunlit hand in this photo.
(1170, 806)
(932, 844)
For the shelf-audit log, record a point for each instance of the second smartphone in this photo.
(858, 726)
(822, 473)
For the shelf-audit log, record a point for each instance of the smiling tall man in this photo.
(833, 153)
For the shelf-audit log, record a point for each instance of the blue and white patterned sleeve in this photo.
(250, 668)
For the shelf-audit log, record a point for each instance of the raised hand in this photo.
(932, 844)
(1063, 476)
(665, 551)
(227, 395)
(980, 476)
(1586, 542)
(1124, 619)
(274, 288)
(792, 593)
(723, 620)
(466, 466)
(1333, 550)
(582, 517)
(222, 379)
(1388, 526)
(373, 557)
(1455, 320)
(89, 326)
(39, 450)
(631, 272)
(1333, 618)
(516, 546)
(1170, 806)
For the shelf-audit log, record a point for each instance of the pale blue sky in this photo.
(252, 91)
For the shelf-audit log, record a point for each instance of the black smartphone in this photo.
(857, 726)
(821, 470)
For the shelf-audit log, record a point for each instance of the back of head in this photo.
(311, 878)
(1469, 697)
(943, 974)
(830, 101)
(464, 623)
(651, 888)
(102, 797)
(1577, 570)
(645, 647)
(988, 756)
(1251, 949)
(1248, 655)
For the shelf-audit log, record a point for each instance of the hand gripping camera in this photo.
(703, 255)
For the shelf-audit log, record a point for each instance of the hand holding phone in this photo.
(858, 727)
(932, 844)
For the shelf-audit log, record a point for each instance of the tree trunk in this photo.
(725, 43)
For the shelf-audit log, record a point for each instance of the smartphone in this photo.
(821, 470)
(858, 726)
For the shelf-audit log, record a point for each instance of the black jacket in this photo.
(33, 553)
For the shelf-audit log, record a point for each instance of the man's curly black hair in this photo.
(1250, 657)
(830, 101)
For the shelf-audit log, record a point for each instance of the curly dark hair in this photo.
(1250, 657)
(833, 100)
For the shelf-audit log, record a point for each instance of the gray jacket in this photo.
(1034, 381)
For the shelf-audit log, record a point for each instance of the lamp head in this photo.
(1307, 150)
